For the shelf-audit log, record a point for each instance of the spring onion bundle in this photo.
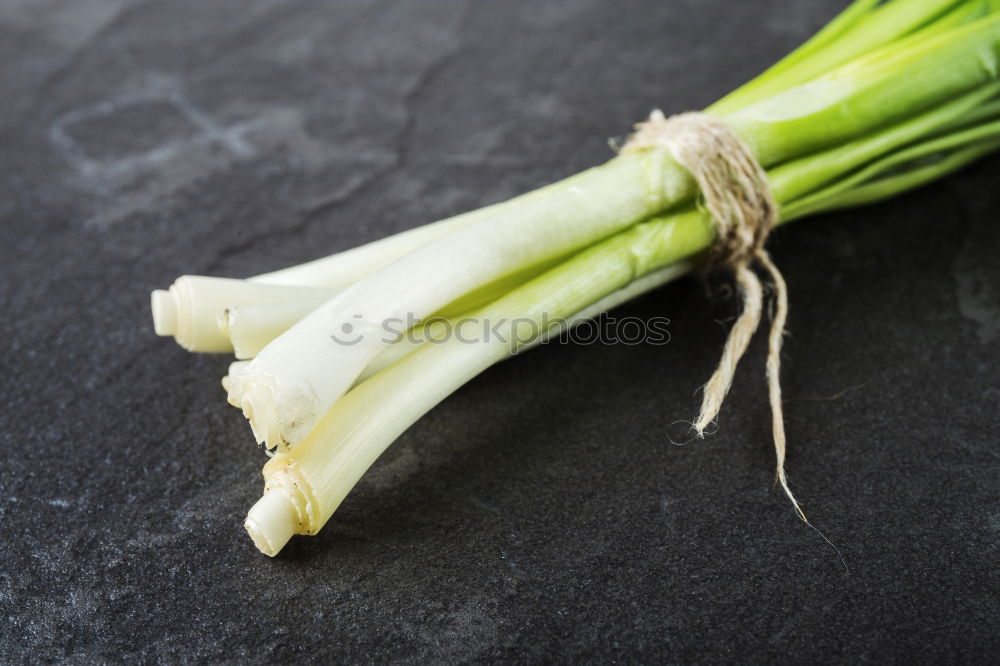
(885, 98)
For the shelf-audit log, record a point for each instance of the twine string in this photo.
(739, 199)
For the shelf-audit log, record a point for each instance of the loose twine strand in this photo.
(738, 197)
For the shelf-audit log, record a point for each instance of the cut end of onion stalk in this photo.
(191, 309)
(250, 391)
(272, 521)
(254, 416)
(236, 368)
(164, 312)
(178, 311)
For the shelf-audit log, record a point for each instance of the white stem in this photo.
(272, 521)
(190, 309)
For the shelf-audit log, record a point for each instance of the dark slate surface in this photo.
(540, 513)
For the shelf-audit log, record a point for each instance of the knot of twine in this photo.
(738, 197)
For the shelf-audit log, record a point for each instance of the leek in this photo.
(889, 96)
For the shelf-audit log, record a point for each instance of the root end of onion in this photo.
(272, 521)
(164, 313)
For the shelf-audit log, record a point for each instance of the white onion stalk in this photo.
(191, 309)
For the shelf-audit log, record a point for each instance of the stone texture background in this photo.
(539, 514)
